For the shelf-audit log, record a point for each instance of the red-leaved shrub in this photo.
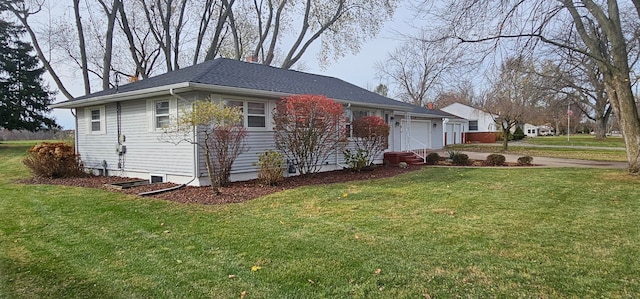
(371, 135)
(308, 130)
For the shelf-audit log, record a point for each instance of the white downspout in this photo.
(195, 160)
(196, 164)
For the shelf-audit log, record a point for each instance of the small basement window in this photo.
(157, 179)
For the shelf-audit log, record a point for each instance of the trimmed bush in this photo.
(432, 158)
(460, 159)
(54, 160)
(495, 160)
(271, 165)
(526, 160)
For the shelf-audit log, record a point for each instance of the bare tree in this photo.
(579, 81)
(464, 93)
(340, 26)
(513, 95)
(602, 26)
(418, 67)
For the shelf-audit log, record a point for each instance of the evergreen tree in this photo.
(24, 100)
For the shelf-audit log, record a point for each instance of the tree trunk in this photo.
(83, 49)
(210, 171)
(601, 127)
(505, 139)
(625, 108)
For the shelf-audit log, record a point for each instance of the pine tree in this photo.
(24, 98)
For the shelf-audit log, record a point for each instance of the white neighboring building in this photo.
(533, 131)
(481, 126)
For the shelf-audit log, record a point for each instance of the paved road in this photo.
(550, 162)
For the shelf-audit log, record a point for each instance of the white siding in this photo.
(485, 120)
(145, 148)
(144, 151)
(96, 147)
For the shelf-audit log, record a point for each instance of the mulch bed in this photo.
(237, 191)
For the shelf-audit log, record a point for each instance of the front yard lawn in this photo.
(438, 232)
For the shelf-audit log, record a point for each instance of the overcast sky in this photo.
(357, 69)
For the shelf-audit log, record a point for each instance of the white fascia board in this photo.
(276, 94)
(190, 86)
(117, 97)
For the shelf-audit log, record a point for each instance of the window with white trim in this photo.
(254, 114)
(95, 120)
(160, 114)
(162, 119)
(353, 114)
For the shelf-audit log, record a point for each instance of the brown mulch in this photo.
(237, 191)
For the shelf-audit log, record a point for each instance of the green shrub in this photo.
(54, 160)
(432, 158)
(460, 159)
(526, 160)
(495, 160)
(271, 165)
(452, 153)
(518, 134)
(356, 159)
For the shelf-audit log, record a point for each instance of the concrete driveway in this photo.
(549, 162)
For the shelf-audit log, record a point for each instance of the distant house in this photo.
(118, 130)
(481, 126)
(534, 131)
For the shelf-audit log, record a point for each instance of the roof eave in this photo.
(117, 97)
(278, 94)
(189, 86)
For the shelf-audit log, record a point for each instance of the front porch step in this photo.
(414, 161)
(394, 158)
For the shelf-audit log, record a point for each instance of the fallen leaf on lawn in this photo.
(255, 268)
(161, 223)
(310, 281)
(231, 276)
(345, 195)
(179, 261)
(166, 231)
(426, 296)
(378, 271)
(357, 237)
(243, 294)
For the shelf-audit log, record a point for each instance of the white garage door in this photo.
(417, 135)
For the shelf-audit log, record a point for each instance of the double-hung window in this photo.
(95, 120)
(353, 114)
(254, 114)
(161, 114)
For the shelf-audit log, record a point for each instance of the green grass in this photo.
(553, 152)
(577, 140)
(446, 232)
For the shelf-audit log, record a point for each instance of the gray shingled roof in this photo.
(240, 74)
